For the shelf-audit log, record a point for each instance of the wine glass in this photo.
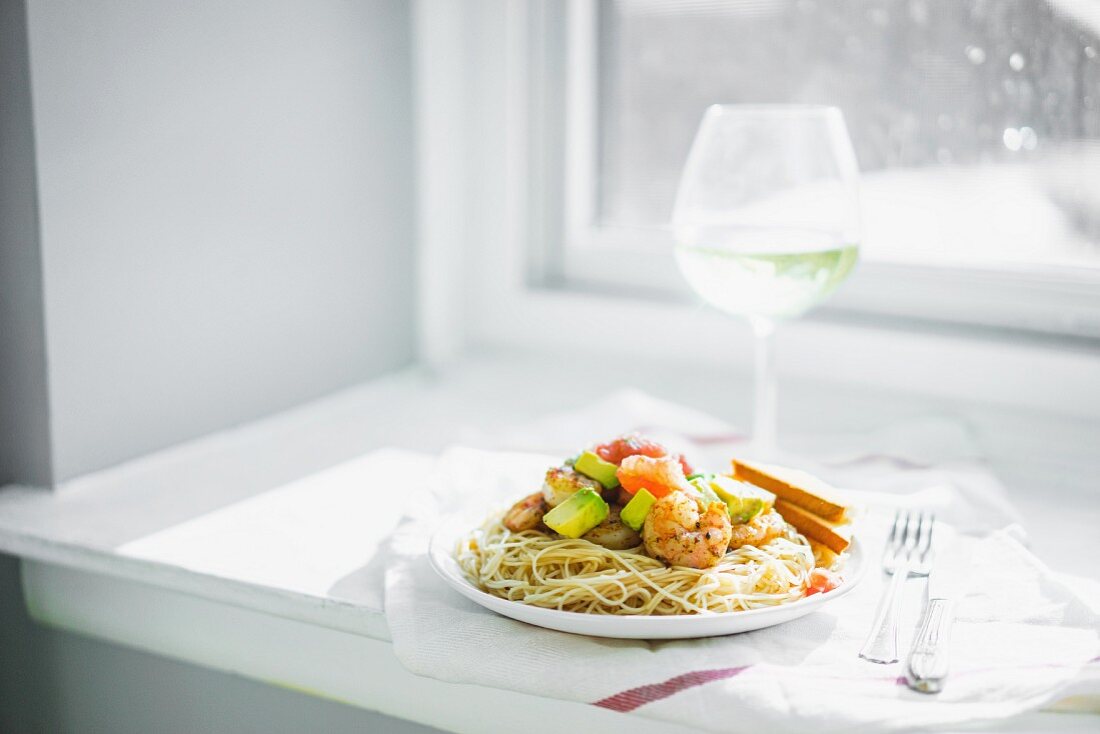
(766, 223)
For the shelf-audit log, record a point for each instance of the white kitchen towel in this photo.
(1021, 638)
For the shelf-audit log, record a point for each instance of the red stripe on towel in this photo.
(633, 698)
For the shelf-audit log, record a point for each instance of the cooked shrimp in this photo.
(761, 529)
(526, 514)
(682, 530)
(659, 475)
(562, 482)
(612, 534)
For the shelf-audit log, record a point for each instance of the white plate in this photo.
(644, 627)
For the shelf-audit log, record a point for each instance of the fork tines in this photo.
(911, 538)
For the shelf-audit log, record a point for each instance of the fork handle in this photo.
(928, 659)
(881, 645)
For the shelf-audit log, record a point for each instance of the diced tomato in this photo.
(634, 445)
(820, 581)
(629, 445)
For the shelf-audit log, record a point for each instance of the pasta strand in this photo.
(532, 567)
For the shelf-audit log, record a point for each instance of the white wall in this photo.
(226, 211)
(223, 228)
(24, 429)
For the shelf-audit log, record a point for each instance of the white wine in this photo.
(774, 282)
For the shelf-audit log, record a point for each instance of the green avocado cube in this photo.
(702, 485)
(592, 466)
(633, 515)
(574, 517)
(744, 500)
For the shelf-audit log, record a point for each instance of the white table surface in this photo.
(284, 516)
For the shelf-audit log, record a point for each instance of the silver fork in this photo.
(908, 553)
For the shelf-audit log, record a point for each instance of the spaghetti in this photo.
(533, 567)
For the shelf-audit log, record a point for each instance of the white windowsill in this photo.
(212, 553)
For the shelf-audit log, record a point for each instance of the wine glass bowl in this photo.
(766, 221)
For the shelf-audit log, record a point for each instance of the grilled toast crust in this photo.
(795, 487)
(834, 536)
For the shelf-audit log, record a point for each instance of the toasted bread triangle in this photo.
(834, 536)
(795, 487)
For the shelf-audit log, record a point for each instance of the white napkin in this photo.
(1021, 637)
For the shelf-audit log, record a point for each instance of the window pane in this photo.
(976, 122)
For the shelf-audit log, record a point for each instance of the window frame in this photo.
(494, 276)
(1048, 301)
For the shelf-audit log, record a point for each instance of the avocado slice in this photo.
(591, 465)
(744, 500)
(577, 515)
(702, 485)
(633, 515)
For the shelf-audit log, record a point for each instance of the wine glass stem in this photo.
(764, 411)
